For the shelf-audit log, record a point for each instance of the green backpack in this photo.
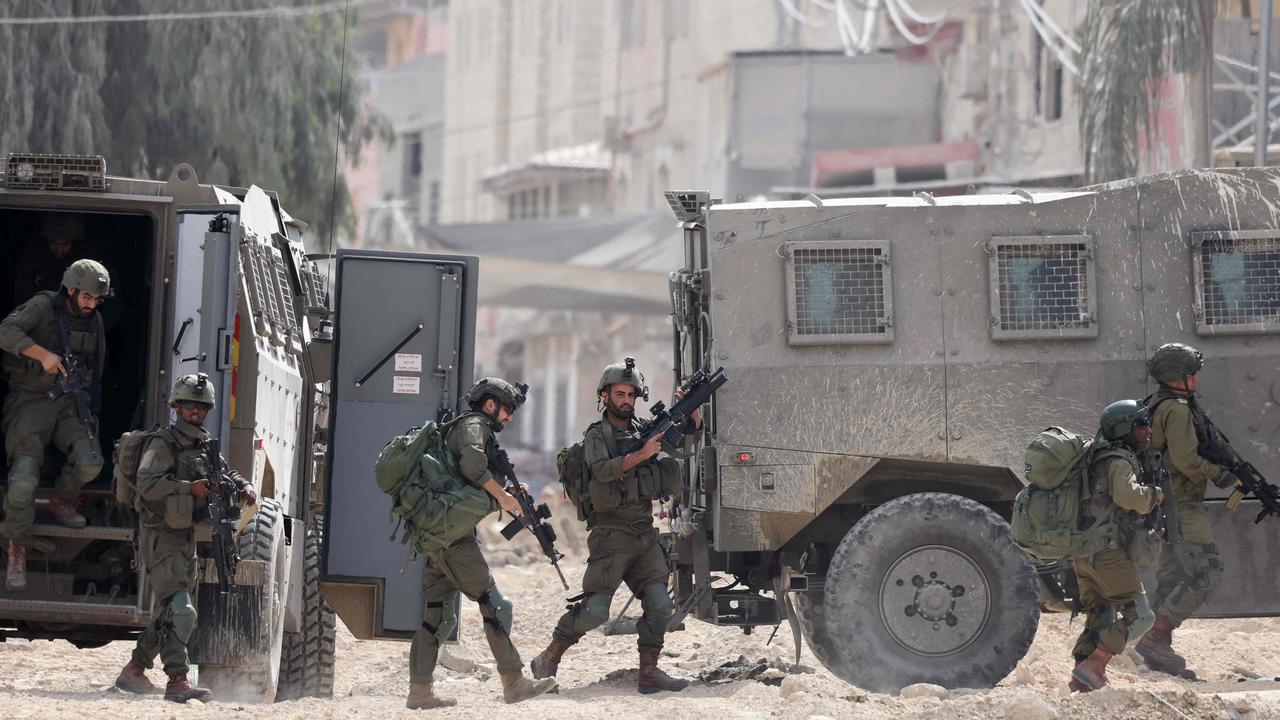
(1047, 512)
(436, 506)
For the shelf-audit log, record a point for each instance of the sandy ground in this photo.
(52, 679)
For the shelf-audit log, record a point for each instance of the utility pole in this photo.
(1262, 117)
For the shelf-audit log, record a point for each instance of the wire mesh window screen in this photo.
(1238, 281)
(1043, 287)
(839, 293)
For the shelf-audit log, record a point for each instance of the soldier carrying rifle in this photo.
(173, 476)
(55, 349)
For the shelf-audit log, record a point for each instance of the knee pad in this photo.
(500, 607)
(24, 476)
(1146, 617)
(657, 601)
(86, 464)
(595, 608)
(183, 615)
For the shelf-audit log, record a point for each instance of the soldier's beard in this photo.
(625, 412)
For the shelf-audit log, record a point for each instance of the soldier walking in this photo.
(1190, 566)
(461, 567)
(622, 541)
(52, 337)
(1116, 606)
(172, 473)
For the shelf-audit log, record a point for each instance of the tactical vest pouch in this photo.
(448, 516)
(672, 483)
(179, 510)
(571, 468)
(648, 479)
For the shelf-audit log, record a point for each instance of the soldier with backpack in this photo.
(1116, 606)
(1083, 503)
(614, 491)
(171, 474)
(1190, 566)
(449, 489)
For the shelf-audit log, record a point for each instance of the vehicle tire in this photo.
(927, 588)
(253, 678)
(306, 666)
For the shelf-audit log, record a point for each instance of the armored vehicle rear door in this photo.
(403, 354)
(1211, 279)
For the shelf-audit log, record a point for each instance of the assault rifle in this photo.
(1165, 515)
(79, 374)
(533, 518)
(670, 424)
(224, 511)
(1216, 448)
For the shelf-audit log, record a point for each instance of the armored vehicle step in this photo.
(92, 532)
(88, 613)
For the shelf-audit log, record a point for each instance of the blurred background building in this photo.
(541, 134)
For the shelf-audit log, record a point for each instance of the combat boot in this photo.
(1156, 649)
(180, 691)
(548, 661)
(654, 680)
(1092, 671)
(421, 697)
(133, 679)
(15, 576)
(64, 511)
(517, 688)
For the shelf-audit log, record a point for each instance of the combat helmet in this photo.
(194, 387)
(513, 394)
(626, 373)
(87, 275)
(1173, 361)
(1120, 417)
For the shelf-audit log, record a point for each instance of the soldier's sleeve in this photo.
(14, 329)
(1183, 445)
(1126, 491)
(155, 472)
(604, 467)
(467, 440)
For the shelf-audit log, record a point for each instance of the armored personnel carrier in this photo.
(890, 358)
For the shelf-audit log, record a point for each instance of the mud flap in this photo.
(228, 627)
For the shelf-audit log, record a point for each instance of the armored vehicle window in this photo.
(1237, 281)
(1042, 287)
(838, 293)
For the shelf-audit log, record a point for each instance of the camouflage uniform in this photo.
(461, 567)
(171, 460)
(31, 421)
(1190, 570)
(622, 541)
(1116, 606)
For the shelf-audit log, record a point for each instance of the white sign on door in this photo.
(405, 385)
(408, 362)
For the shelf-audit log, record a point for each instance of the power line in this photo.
(282, 11)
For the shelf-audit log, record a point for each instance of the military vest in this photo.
(85, 338)
(189, 464)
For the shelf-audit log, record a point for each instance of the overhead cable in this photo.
(1047, 38)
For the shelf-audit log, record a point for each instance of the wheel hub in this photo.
(934, 600)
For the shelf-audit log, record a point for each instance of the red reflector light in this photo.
(745, 457)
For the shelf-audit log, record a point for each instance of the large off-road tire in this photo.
(927, 588)
(253, 677)
(306, 667)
